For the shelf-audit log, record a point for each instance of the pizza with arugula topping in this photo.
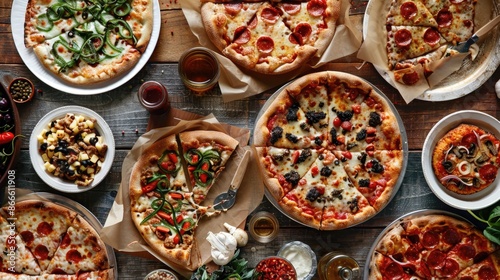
(88, 41)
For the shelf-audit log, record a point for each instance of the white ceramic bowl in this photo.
(37, 161)
(479, 200)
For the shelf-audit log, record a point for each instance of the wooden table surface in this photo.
(127, 119)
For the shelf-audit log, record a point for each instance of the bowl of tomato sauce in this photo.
(275, 268)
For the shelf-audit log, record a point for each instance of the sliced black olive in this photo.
(448, 166)
(43, 147)
(93, 140)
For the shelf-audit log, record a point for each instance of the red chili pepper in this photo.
(166, 217)
(195, 158)
(179, 219)
(149, 187)
(163, 229)
(168, 165)
(203, 177)
(176, 196)
(173, 157)
(6, 137)
(205, 167)
(185, 227)
(177, 239)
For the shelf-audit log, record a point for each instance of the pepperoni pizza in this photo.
(271, 37)
(418, 29)
(330, 150)
(434, 246)
(50, 241)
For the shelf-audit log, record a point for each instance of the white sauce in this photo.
(300, 259)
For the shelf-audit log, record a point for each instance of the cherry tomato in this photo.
(6, 137)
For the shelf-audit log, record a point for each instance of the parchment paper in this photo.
(374, 50)
(119, 230)
(236, 83)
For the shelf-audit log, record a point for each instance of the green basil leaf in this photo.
(492, 234)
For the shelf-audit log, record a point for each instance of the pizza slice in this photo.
(489, 268)
(325, 198)
(410, 13)
(282, 168)
(12, 247)
(374, 174)
(360, 119)
(312, 22)
(284, 124)
(83, 275)
(265, 46)
(405, 42)
(226, 21)
(206, 153)
(312, 97)
(158, 171)
(80, 250)
(41, 225)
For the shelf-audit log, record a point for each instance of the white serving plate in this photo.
(472, 74)
(37, 161)
(479, 200)
(31, 60)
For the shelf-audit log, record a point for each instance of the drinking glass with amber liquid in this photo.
(199, 69)
(337, 266)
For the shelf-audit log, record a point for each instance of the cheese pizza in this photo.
(330, 150)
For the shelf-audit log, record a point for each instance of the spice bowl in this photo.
(21, 89)
(275, 267)
(302, 257)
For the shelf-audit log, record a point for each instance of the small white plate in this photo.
(33, 63)
(479, 200)
(37, 161)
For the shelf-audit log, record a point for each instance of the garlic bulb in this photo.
(223, 247)
(240, 235)
(497, 88)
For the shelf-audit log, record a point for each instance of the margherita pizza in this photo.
(330, 149)
(465, 160)
(50, 241)
(169, 182)
(434, 246)
(85, 42)
(416, 31)
(271, 37)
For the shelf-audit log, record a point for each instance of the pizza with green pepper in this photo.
(88, 41)
(169, 182)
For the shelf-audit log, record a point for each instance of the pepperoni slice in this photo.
(486, 272)
(265, 44)
(431, 36)
(410, 78)
(488, 172)
(27, 237)
(468, 139)
(233, 8)
(466, 251)
(74, 256)
(403, 38)
(44, 228)
(41, 252)
(66, 241)
(408, 10)
(58, 271)
(451, 237)
(316, 8)
(291, 8)
(304, 29)
(242, 35)
(444, 18)
(430, 239)
(393, 271)
(450, 269)
(412, 254)
(436, 259)
(270, 15)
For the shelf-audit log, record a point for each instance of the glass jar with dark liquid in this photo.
(154, 97)
(199, 69)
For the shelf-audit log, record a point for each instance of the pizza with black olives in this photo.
(87, 41)
(330, 150)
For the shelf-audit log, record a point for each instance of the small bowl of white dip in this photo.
(302, 257)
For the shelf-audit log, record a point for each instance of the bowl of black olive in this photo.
(21, 89)
(10, 142)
